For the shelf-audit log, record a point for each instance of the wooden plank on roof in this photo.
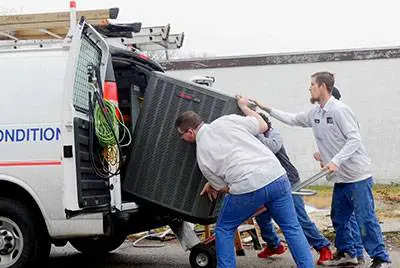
(46, 25)
(100, 14)
(32, 31)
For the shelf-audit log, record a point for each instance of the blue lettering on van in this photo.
(46, 134)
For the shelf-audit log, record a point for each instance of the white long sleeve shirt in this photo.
(229, 154)
(337, 135)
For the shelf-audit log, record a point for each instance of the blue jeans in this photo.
(277, 197)
(357, 197)
(313, 235)
(353, 231)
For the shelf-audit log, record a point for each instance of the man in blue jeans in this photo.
(352, 229)
(230, 158)
(273, 140)
(337, 134)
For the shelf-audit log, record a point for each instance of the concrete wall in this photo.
(370, 87)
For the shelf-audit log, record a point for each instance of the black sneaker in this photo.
(377, 263)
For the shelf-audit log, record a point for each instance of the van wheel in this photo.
(98, 245)
(23, 242)
(203, 256)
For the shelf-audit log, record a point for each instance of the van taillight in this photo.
(110, 92)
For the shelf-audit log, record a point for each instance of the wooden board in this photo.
(46, 25)
(29, 26)
(52, 17)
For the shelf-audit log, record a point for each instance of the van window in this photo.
(89, 54)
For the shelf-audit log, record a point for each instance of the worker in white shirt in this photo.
(232, 160)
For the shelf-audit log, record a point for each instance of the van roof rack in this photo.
(49, 25)
(152, 38)
(44, 27)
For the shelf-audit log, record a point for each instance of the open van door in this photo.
(84, 189)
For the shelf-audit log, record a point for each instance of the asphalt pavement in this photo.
(170, 255)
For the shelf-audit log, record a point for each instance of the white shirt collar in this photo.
(201, 131)
(327, 105)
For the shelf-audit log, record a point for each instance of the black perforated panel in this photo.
(92, 190)
(162, 167)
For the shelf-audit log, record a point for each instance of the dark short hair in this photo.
(187, 120)
(266, 119)
(336, 93)
(326, 78)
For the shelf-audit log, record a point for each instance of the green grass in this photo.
(392, 238)
(388, 192)
(322, 189)
(385, 192)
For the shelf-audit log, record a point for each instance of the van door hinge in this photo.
(68, 151)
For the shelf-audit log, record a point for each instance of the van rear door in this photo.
(84, 190)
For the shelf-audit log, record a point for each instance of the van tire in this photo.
(98, 245)
(19, 224)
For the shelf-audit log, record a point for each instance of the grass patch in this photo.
(392, 239)
(329, 234)
(319, 201)
(388, 192)
(383, 193)
(322, 190)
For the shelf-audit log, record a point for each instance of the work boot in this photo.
(377, 263)
(325, 254)
(341, 259)
(267, 252)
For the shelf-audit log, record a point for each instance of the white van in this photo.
(49, 192)
(55, 185)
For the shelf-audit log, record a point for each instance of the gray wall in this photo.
(370, 87)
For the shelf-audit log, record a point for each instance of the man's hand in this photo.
(242, 101)
(331, 167)
(317, 157)
(224, 190)
(262, 107)
(210, 191)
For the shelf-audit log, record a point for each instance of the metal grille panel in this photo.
(162, 167)
(89, 54)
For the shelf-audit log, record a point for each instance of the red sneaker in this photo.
(267, 252)
(325, 254)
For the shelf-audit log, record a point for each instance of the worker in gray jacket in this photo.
(338, 139)
(352, 228)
